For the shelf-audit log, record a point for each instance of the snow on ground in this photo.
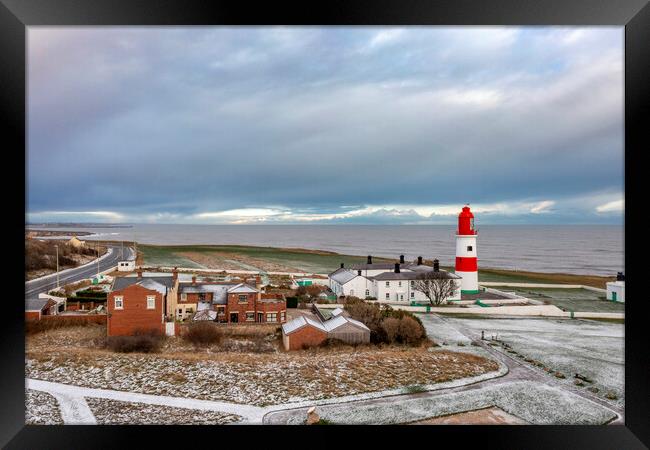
(536, 404)
(258, 379)
(441, 332)
(115, 412)
(41, 408)
(590, 348)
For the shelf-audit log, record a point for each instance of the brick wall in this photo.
(277, 307)
(307, 336)
(134, 315)
(32, 315)
(92, 318)
(235, 306)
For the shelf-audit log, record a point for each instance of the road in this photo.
(47, 283)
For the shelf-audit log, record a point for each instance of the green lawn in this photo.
(572, 299)
(317, 262)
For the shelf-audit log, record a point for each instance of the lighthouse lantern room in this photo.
(466, 259)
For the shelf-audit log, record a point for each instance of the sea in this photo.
(577, 249)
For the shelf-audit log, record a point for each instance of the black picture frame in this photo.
(634, 15)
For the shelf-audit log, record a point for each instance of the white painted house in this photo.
(387, 282)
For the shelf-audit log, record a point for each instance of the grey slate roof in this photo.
(148, 282)
(342, 276)
(36, 304)
(414, 275)
(373, 266)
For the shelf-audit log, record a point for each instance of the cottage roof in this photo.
(241, 288)
(300, 322)
(337, 311)
(414, 275)
(373, 266)
(122, 282)
(339, 321)
(342, 276)
(37, 304)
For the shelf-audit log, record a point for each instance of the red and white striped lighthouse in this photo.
(466, 260)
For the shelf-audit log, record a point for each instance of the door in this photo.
(260, 317)
(170, 328)
(234, 317)
(614, 296)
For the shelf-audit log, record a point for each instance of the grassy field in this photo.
(316, 261)
(572, 299)
(268, 257)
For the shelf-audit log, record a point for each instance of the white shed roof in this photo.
(241, 287)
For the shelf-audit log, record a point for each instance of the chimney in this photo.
(401, 259)
(359, 272)
(193, 279)
(396, 267)
(175, 274)
(620, 276)
(342, 265)
(369, 259)
(139, 272)
(419, 260)
(436, 265)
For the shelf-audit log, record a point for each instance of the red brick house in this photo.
(137, 304)
(247, 304)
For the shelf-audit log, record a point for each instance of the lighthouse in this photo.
(466, 260)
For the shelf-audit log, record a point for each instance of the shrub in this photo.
(333, 343)
(141, 341)
(411, 331)
(203, 334)
(292, 302)
(38, 326)
(390, 326)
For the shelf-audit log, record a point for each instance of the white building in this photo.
(126, 266)
(387, 282)
(616, 291)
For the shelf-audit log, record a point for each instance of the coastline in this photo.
(308, 260)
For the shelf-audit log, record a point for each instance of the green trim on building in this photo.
(470, 292)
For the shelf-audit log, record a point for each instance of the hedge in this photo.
(292, 302)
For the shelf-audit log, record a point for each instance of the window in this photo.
(388, 284)
(469, 248)
(180, 311)
(282, 316)
(412, 294)
(367, 292)
(399, 284)
(119, 302)
(201, 296)
(151, 302)
(412, 283)
(401, 296)
(250, 317)
(271, 317)
(387, 296)
(243, 298)
(183, 296)
(351, 291)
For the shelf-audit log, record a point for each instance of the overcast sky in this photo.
(325, 124)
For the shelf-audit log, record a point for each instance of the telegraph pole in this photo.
(57, 265)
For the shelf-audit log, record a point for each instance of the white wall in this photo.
(400, 291)
(617, 287)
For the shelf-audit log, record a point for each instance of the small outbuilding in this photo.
(35, 308)
(616, 289)
(126, 266)
(303, 332)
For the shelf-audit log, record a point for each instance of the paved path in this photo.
(517, 371)
(74, 409)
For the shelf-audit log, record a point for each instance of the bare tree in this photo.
(435, 286)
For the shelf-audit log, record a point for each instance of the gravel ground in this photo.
(590, 348)
(258, 379)
(535, 404)
(41, 409)
(114, 412)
